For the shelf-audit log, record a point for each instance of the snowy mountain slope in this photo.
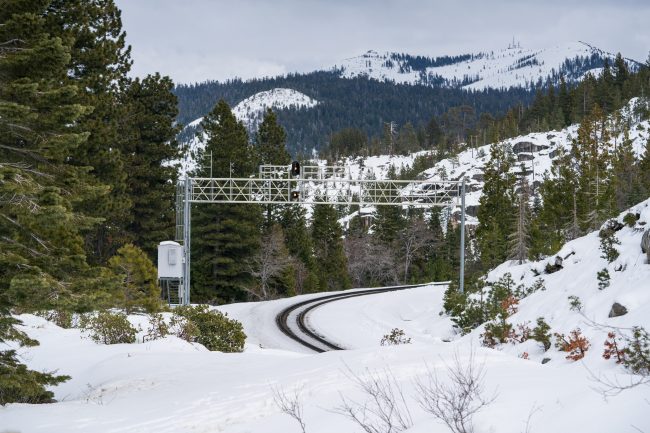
(250, 112)
(629, 286)
(535, 151)
(511, 67)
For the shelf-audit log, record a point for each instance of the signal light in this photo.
(295, 194)
(295, 168)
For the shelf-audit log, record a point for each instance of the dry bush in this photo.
(384, 410)
(457, 400)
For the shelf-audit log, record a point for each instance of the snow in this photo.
(170, 385)
(250, 112)
(503, 68)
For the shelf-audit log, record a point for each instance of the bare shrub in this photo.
(384, 409)
(290, 404)
(456, 401)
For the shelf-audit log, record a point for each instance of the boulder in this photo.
(645, 244)
(617, 310)
(556, 266)
(527, 146)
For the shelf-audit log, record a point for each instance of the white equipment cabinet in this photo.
(170, 271)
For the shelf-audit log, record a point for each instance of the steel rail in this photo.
(282, 318)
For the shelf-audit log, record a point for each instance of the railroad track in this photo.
(299, 311)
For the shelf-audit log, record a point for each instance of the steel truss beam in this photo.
(316, 185)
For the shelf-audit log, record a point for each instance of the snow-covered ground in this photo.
(511, 67)
(169, 385)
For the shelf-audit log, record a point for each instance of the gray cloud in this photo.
(196, 40)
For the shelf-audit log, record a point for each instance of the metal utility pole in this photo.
(185, 296)
(461, 285)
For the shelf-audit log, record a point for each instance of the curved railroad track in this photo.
(308, 337)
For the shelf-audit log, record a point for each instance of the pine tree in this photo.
(42, 260)
(99, 62)
(327, 236)
(621, 71)
(271, 146)
(150, 148)
(496, 207)
(433, 133)
(625, 175)
(389, 219)
(299, 244)
(520, 238)
(644, 169)
(224, 236)
(591, 153)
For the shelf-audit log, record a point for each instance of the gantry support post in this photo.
(461, 285)
(187, 220)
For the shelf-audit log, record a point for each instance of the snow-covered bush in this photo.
(541, 333)
(139, 287)
(613, 348)
(395, 337)
(637, 352)
(158, 327)
(215, 330)
(61, 318)
(630, 219)
(576, 344)
(107, 327)
(607, 241)
(603, 279)
(575, 304)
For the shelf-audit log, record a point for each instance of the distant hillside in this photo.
(368, 91)
(511, 67)
(359, 102)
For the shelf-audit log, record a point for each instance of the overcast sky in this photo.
(195, 40)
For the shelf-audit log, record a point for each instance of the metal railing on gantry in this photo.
(314, 185)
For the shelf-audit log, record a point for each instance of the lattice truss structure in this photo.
(314, 185)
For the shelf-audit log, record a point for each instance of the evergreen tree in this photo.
(433, 133)
(299, 244)
(389, 219)
(150, 148)
(224, 236)
(271, 146)
(644, 169)
(520, 238)
(99, 62)
(621, 71)
(271, 141)
(327, 236)
(496, 207)
(556, 219)
(591, 153)
(42, 260)
(626, 176)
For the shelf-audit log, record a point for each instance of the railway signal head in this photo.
(295, 194)
(295, 168)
